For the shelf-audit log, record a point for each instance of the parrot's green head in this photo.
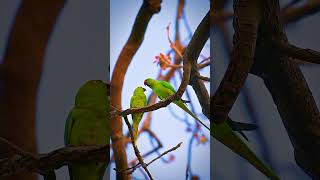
(139, 90)
(150, 82)
(92, 94)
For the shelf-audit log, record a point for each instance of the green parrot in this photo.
(222, 132)
(88, 123)
(138, 100)
(163, 89)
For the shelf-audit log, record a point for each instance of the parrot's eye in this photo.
(145, 83)
(144, 89)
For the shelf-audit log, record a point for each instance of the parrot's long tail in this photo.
(223, 133)
(185, 108)
(135, 131)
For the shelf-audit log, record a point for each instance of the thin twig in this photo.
(133, 168)
(136, 150)
(203, 77)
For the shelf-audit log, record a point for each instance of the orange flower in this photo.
(203, 139)
(163, 60)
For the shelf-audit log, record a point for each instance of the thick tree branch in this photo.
(23, 60)
(289, 89)
(25, 162)
(294, 14)
(147, 10)
(246, 20)
(307, 55)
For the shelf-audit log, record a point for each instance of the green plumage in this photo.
(88, 123)
(222, 132)
(138, 100)
(163, 89)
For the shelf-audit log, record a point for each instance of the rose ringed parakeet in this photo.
(88, 124)
(163, 89)
(138, 100)
(222, 132)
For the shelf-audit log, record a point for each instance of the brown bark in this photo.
(246, 20)
(21, 71)
(147, 10)
(289, 89)
(282, 77)
(26, 162)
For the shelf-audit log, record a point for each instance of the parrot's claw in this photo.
(185, 101)
(240, 127)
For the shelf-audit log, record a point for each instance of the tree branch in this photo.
(26, 162)
(133, 168)
(136, 150)
(307, 55)
(293, 14)
(290, 92)
(23, 61)
(246, 19)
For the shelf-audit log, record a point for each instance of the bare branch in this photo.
(246, 29)
(293, 14)
(24, 162)
(133, 168)
(135, 147)
(307, 55)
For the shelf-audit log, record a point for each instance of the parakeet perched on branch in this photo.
(138, 100)
(222, 132)
(163, 89)
(88, 123)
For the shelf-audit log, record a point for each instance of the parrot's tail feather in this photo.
(223, 133)
(184, 107)
(135, 131)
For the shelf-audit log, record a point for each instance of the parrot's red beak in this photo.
(145, 82)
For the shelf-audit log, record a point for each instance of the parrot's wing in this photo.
(68, 128)
(167, 85)
(132, 101)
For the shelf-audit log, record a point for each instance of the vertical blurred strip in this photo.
(107, 173)
(21, 71)
(212, 4)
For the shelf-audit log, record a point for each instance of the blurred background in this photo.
(255, 105)
(77, 52)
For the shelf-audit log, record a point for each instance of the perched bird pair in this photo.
(222, 132)
(88, 123)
